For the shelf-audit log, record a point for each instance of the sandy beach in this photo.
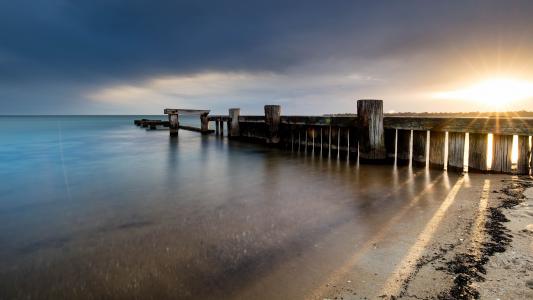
(481, 249)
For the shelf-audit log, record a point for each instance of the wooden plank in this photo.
(183, 111)
(456, 148)
(436, 149)
(218, 117)
(321, 120)
(403, 145)
(477, 152)
(501, 153)
(419, 147)
(195, 129)
(504, 126)
(522, 166)
(371, 132)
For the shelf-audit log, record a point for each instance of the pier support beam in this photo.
(456, 150)
(436, 148)
(371, 133)
(522, 166)
(233, 128)
(272, 121)
(403, 146)
(419, 147)
(390, 143)
(204, 123)
(531, 156)
(174, 124)
(501, 154)
(477, 152)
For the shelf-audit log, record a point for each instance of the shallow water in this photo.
(95, 207)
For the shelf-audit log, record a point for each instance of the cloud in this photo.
(217, 89)
(69, 49)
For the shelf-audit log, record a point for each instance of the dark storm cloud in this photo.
(82, 43)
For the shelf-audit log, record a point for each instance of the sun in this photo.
(496, 92)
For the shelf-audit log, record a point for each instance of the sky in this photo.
(310, 57)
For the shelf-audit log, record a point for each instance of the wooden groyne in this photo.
(370, 136)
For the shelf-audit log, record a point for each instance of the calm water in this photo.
(95, 207)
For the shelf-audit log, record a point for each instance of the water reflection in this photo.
(191, 216)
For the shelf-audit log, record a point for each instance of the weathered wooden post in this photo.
(204, 123)
(272, 121)
(522, 166)
(174, 124)
(531, 156)
(436, 148)
(456, 150)
(501, 154)
(371, 133)
(233, 124)
(477, 151)
(419, 147)
(217, 126)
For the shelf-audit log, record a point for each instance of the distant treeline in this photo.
(520, 114)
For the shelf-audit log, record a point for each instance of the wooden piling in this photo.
(403, 145)
(477, 152)
(174, 124)
(338, 142)
(313, 134)
(233, 123)
(522, 166)
(456, 148)
(419, 147)
(371, 132)
(353, 144)
(348, 144)
(272, 121)
(306, 140)
(436, 148)
(329, 141)
(531, 157)
(299, 140)
(390, 142)
(321, 140)
(501, 153)
(204, 123)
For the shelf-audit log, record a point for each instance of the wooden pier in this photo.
(372, 137)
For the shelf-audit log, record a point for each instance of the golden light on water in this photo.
(494, 92)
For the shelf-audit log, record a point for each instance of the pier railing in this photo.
(371, 136)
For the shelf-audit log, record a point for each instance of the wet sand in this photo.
(510, 273)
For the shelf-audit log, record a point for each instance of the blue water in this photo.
(95, 207)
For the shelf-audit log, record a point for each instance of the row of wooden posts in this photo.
(372, 137)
